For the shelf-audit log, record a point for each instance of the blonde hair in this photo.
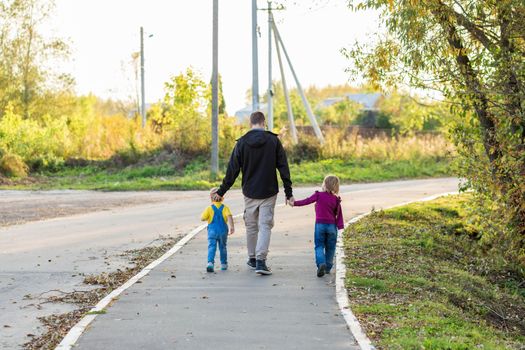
(213, 191)
(331, 184)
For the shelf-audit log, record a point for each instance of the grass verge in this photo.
(417, 279)
(196, 176)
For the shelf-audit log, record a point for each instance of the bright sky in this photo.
(105, 33)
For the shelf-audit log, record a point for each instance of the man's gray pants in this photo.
(258, 219)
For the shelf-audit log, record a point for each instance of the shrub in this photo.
(307, 149)
(13, 165)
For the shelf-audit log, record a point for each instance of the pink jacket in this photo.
(327, 208)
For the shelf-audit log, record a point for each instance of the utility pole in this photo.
(142, 83)
(255, 64)
(309, 112)
(215, 93)
(270, 10)
(270, 87)
(293, 129)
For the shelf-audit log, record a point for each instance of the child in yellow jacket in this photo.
(219, 217)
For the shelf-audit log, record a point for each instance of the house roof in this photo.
(368, 101)
(330, 101)
(244, 113)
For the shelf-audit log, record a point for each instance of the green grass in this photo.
(196, 176)
(417, 279)
(99, 312)
(365, 170)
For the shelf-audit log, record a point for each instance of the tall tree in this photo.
(473, 51)
(183, 112)
(27, 57)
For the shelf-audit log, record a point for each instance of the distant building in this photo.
(243, 115)
(370, 103)
(329, 102)
(370, 109)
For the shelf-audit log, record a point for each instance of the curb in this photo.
(340, 290)
(76, 331)
(70, 339)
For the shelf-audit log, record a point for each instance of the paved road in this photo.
(40, 256)
(18, 207)
(236, 309)
(54, 254)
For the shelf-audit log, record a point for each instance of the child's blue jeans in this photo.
(219, 239)
(325, 241)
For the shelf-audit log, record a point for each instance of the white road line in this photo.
(340, 277)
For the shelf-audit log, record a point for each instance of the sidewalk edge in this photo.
(76, 331)
(340, 289)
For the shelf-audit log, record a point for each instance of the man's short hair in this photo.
(257, 118)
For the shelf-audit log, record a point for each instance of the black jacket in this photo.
(258, 154)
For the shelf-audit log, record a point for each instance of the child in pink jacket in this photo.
(328, 219)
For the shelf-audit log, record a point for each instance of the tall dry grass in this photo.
(340, 145)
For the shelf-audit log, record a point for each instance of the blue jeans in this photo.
(325, 241)
(215, 239)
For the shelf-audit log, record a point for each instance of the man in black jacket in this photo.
(258, 154)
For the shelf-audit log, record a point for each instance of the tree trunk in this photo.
(512, 86)
(474, 87)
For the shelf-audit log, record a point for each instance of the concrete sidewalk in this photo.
(180, 306)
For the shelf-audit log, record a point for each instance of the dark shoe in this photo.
(321, 270)
(252, 263)
(261, 268)
(209, 268)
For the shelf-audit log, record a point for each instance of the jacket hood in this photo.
(256, 138)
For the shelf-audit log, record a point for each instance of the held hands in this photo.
(216, 198)
(290, 201)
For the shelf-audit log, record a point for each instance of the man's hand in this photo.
(290, 201)
(216, 198)
(232, 230)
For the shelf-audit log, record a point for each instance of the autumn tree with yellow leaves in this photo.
(473, 53)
